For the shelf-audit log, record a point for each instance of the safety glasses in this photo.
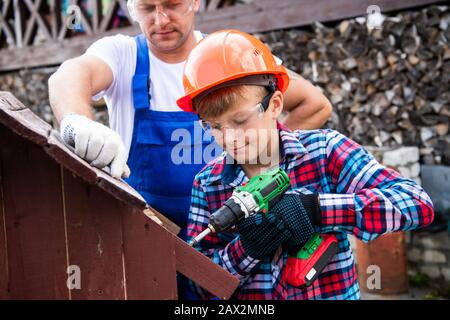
(171, 9)
(242, 121)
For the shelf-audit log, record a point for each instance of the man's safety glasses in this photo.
(171, 9)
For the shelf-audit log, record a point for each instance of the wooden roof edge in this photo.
(203, 271)
(21, 120)
(162, 220)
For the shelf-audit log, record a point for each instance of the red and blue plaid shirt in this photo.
(357, 195)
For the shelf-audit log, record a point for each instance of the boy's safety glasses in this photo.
(240, 122)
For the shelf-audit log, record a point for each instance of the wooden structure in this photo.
(36, 33)
(58, 213)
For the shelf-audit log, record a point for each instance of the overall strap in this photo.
(141, 80)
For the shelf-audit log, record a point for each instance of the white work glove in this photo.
(96, 143)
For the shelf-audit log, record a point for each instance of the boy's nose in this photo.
(230, 136)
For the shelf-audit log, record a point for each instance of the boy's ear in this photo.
(277, 104)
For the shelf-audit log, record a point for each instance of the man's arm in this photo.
(308, 108)
(75, 82)
(70, 91)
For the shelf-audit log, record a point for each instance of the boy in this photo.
(235, 86)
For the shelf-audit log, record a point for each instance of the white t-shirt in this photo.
(166, 82)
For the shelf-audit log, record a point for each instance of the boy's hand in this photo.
(262, 234)
(298, 213)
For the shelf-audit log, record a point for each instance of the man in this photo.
(140, 79)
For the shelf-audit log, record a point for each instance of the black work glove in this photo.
(299, 214)
(261, 234)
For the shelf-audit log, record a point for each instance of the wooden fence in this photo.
(38, 33)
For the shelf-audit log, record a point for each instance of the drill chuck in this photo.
(239, 206)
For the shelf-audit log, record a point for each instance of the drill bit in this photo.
(200, 236)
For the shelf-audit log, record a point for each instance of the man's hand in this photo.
(96, 143)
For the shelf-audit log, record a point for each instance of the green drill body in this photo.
(258, 194)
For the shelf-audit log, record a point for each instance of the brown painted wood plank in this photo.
(34, 221)
(53, 219)
(94, 237)
(4, 276)
(22, 120)
(149, 255)
(63, 155)
(162, 220)
(204, 271)
(9, 102)
(118, 188)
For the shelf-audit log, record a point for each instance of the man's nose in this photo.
(161, 18)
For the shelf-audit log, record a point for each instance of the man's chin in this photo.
(165, 43)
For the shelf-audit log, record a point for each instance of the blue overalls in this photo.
(165, 186)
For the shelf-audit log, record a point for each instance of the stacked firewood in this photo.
(389, 86)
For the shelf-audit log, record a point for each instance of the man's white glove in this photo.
(96, 143)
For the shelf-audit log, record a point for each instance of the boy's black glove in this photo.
(262, 234)
(299, 214)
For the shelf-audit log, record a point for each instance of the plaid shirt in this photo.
(357, 196)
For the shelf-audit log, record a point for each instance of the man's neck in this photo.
(178, 55)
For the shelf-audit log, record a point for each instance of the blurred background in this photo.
(384, 65)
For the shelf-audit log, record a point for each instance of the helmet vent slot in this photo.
(256, 52)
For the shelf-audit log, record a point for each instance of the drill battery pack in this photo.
(303, 268)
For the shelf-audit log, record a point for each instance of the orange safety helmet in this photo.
(224, 56)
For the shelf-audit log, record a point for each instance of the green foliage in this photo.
(419, 280)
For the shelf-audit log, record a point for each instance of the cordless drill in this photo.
(258, 195)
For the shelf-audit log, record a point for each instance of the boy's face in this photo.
(245, 131)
